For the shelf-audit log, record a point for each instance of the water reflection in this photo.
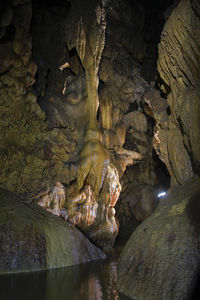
(92, 281)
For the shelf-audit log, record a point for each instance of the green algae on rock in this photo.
(31, 239)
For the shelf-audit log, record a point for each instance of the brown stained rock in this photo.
(137, 120)
(177, 126)
(179, 157)
(33, 158)
(122, 94)
(39, 241)
(64, 95)
(110, 139)
(157, 105)
(89, 41)
(106, 112)
(157, 109)
(54, 201)
(82, 207)
(104, 233)
(57, 137)
(140, 201)
(93, 157)
(114, 138)
(105, 228)
(178, 66)
(181, 26)
(120, 130)
(95, 215)
(126, 157)
(161, 260)
(191, 122)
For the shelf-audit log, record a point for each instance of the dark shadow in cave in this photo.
(161, 172)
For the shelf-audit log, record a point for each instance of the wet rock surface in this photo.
(177, 125)
(94, 215)
(50, 124)
(31, 239)
(94, 148)
(80, 101)
(162, 258)
(72, 81)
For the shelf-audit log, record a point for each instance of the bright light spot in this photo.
(161, 194)
(64, 66)
(64, 88)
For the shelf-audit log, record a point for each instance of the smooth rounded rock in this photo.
(31, 239)
(161, 259)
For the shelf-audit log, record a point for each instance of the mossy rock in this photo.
(162, 258)
(32, 239)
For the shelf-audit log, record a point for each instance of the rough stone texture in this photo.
(136, 204)
(68, 108)
(31, 239)
(32, 157)
(57, 123)
(176, 138)
(140, 201)
(162, 258)
(123, 120)
(94, 215)
(54, 201)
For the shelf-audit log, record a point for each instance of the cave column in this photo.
(90, 43)
(92, 105)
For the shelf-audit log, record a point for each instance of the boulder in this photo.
(161, 260)
(32, 239)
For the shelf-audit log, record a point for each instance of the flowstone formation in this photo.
(89, 39)
(41, 149)
(74, 105)
(86, 32)
(72, 111)
(95, 216)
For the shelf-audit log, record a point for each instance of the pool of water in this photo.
(91, 281)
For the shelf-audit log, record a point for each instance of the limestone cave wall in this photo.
(161, 259)
(176, 136)
(75, 126)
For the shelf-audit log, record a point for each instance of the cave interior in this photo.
(100, 145)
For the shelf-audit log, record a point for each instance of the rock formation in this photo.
(32, 157)
(64, 128)
(176, 134)
(32, 239)
(88, 129)
(161, 259)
